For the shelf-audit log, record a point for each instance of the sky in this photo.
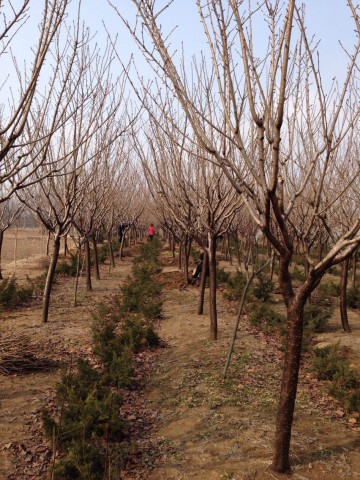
(329, 20)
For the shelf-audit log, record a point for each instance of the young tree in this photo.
(266, 117)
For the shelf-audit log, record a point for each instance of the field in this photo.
(190, 423)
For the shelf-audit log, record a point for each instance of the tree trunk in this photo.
(286, 405)
(212, 288)
(180, 255)
(353, 276)
(66, 248)
(77, 275)
(173, 245)
(50, 279)
(96, 257)
(1, 244)
(187, 246)
(343, 294)
(88, 266)
(121, 250)
(48, 244)
(205, 268)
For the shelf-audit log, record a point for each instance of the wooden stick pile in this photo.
(19, 355)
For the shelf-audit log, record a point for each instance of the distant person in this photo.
(121, 230)
(151, 231)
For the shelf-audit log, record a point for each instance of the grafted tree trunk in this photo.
(343, 295)
(88, 266)
(50, 279)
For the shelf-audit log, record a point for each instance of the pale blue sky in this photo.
(329, 20)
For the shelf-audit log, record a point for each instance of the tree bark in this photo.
(88, 266)
(343, 295)
(50, 279)
(212, 288)
(203, 283)
(286, 405)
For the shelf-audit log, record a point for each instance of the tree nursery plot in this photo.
(183, 420)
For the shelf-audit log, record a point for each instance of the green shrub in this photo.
(316, 317)
(298, 274)
(330, 289)
(345, 387)
(353, 297)
(263, 289)
(265, 318)
(222, 276)
(38, 283)
(330, 364)
(235, 286)
(89, 413)
(68, 266)
(326, 361)
(12, 295)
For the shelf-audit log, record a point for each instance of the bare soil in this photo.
(202, 426)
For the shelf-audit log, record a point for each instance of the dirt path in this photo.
(215, 430)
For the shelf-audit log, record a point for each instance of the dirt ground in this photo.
(203, 427)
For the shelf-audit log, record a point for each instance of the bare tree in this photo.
(194, 192)
(266, 117)
(29, 100)
(95, 116)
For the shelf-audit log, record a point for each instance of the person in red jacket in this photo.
(151, 231)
